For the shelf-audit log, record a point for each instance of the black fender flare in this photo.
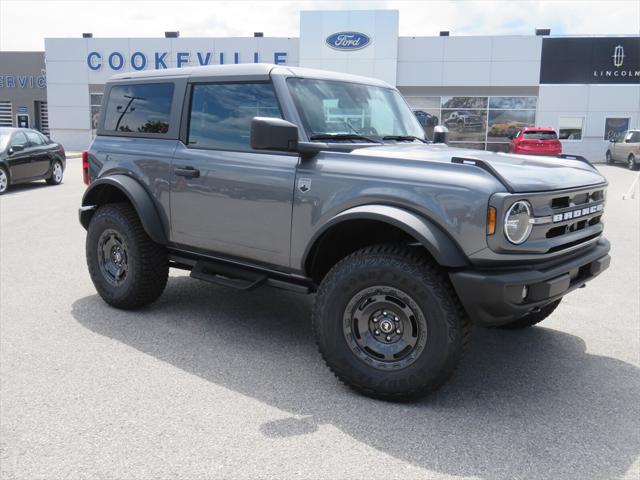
(137, 195)
(441, 246)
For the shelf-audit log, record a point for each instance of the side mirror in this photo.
(15, 148)
(440, 134)
(268, 133)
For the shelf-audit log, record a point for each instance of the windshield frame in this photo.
(395, 108)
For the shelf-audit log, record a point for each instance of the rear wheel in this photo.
(127, 268)
(388, 323)
(4, 180)
(631, 162)
(532, 319)
(56, 174)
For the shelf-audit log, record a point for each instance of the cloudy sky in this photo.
(25, 23)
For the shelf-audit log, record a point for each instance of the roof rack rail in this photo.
(486, 166)
(568, 156)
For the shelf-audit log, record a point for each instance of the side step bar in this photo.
(227, 276)
(238, 276)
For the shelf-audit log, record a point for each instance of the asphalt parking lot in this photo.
(211, 382)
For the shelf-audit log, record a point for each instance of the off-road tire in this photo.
(532, 319)
(148, 265)
(632, 164)
(54, 179)
(406, 269)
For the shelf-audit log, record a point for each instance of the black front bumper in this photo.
(494, 297)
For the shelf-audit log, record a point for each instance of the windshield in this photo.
(341, 108)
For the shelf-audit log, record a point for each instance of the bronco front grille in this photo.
(562, 220)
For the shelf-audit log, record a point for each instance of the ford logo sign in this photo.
(348, 41)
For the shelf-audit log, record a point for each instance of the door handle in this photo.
(188, 172)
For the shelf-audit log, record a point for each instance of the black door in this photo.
(19, 158)
(40, 155)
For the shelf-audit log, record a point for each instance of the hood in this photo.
(521, 173)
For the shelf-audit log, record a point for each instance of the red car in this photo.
(535, 141)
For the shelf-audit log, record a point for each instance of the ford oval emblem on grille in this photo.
(348, 41)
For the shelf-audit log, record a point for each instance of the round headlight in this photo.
(516, 222)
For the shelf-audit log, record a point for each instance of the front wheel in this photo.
(56, 174)
(127, 268)
(388, 323)
(631, 162)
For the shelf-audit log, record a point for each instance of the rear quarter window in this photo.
(139, 109)
(541, 135)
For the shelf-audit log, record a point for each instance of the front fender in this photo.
(441, 247)
(134, 191)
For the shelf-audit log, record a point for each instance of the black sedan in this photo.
(27, 155)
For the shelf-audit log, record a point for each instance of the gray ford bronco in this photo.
(318, 182)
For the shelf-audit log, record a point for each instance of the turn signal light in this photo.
(85, 167)
(491, 221)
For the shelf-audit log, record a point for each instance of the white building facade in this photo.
(586, 88)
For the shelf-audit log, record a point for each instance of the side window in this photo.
(34, 138)
(19, 139)
(221, 113)
(142, 108)
(44, 139)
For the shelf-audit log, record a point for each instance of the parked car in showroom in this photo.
(625, 148)
(27, 155)
(463, 120)
(535, 141)
(425, 118)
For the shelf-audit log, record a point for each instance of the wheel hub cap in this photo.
(384, 327)
(113, 257)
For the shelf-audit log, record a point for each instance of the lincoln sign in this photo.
(590, 60)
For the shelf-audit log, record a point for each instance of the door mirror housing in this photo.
(15, 148)
(440, 134)
(268, 133)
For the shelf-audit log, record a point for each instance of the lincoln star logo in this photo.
(348, 41)
(618, 56)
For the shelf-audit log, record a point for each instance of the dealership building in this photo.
(482, 87)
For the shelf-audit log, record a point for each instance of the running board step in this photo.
(227, 275)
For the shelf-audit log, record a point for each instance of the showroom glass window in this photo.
(474, 121)
(427, 112)
(221, 113)
(570, 128)
(614, 126)
(507, 115)
(142, 108)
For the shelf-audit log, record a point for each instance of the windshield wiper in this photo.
(403, 137)
(342, 136)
